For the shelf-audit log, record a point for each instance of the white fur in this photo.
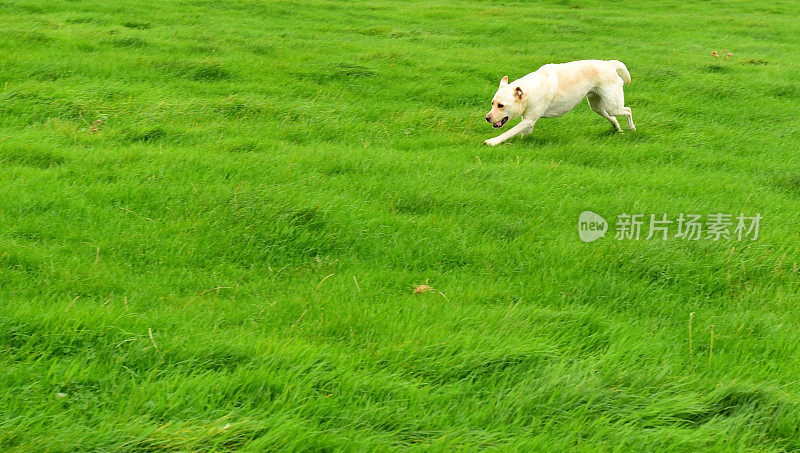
(555, 89)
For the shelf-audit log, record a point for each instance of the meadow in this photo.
(271, 225)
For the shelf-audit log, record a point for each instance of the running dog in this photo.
(555, 89)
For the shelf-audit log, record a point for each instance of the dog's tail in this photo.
(622, 71)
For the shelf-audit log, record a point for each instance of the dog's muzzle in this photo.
(497, 124)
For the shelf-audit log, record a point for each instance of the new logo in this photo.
(591, 226)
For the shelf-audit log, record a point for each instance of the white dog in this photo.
(555, 89)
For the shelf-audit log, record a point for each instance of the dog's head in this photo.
(506, 104)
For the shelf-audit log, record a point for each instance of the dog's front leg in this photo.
(523, 128)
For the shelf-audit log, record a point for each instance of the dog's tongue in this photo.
(498, 124)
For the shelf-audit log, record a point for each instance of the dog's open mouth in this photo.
(500, 123)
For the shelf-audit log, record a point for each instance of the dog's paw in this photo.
(491, 142)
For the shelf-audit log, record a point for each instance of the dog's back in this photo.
(577, 79)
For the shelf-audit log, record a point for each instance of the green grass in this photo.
(229, 260)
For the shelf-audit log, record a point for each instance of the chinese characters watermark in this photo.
(688, 227)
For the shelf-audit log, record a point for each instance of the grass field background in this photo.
(227, 258)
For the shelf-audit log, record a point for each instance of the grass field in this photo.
(215, 214)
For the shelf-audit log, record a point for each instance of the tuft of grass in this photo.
(137, 25)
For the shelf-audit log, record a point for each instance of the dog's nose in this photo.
(488, 119)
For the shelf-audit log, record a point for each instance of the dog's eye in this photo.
(500, 106)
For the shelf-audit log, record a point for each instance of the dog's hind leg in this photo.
(626, 111)
(614, 101)
(598, 104)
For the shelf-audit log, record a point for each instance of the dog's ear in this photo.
(504, 81)
(518, 93)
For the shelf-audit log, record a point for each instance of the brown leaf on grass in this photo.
(419, 289)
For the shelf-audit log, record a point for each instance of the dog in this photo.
(555, 89)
